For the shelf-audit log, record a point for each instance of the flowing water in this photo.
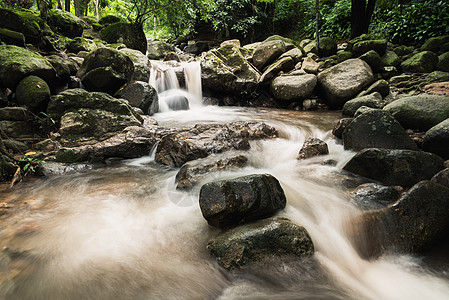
(123, 231)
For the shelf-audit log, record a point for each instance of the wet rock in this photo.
(230, 202)
(194, 171)
(202, 140)
(381, 86)
(390, 58)
(159, 49)
(267, 52)
(422, 62)
(361, 47)
(105, 70)
(372, 100)
(310, 66)
(442, 177)
(312, 147)
(327, 47)
(51, 168)
(81, 44)
(363, 109)
(344, 81)
(34, 93)
(369, 196)
(259, 242)
(395, 167)
(64, 67)
(293, 87)
(373, 59)
(139, 94)
(435, 44)
(11, 37)
(172, 101)
(419, 112)
(436, 139)
(225, 70)
(341, 126)
(16, 63)
(443, 62)
(172, 56)
(65, 23)
(130, 34)
(285, 64)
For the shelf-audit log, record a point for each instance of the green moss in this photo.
(69, 156)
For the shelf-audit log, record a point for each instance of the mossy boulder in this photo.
(390, 58)
(105, 70)
(130, 34)
(65, 23)
(361, 47)
(373, 59)
(268, 51)
(420, 112)
(159, 49)
(343, 55)
(34, 93)
(327, 47)
(64, 67)
(16, 63)
(422, 62)
(293, 87)
(22, 22)
(372, 100)
(109, 19)
(139, 94)
(436, 139)
(141, 63)
(443, 62)
(435, 44)
(11, 37)
(81, 44)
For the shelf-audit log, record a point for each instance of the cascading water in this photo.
(124, 232)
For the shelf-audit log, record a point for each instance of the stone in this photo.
(198, 170)
(65, 23)
(139, 94)
(341, 126)
(443, 62)
(159, 49)
(312, 147)
(403, 50)
(310, 66)
(197, 47)
(109, 19)
(81, 44)
(442, 177)
(294, 53)
(231, 202)
(364, 109)
(172, 56)
(105, 70)
(234, 42)
(437, 88)
(422, 62)
(24, 22)
(310, 48)
(64, 68)
(361, 47)
(369, 196)
(435, 44)
(17, 63)
(176, 149)
(344, 81)
(372, 100)
(267, 52)
(327, 46)
(381, 86)
(376, 129)
(34, 93)
(390, 58)
(130, 34)
(419, 112)
(14, 113)
(343, 55)
(395, 167)
(11, 37)
(260, 242)
(293, 87)
(284, 64)
(436, 139)
(373, 59)
(18, 129)
(16, 146)
(142, 65)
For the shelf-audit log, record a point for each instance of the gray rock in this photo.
(390, 58)
(284, 64)
(344, 81)
(341, 126)
(343, 55)
(79, 44)
(381, 86)
(420, 112)
(230, 202)
(141, 63)
(293, 87)
(436, 139)
(361, 47)
(139, 94)
(395, 167)
(443, 62)
(64, 67)
(130, 34)
(15, 146)
(369, 196)
(310, 66)
(327, 47)
(14, 113)
(442, 177)
(373, 59)
(312, 147)
(422, 62)
(34, 93)
(158, 49)
(267, 52)
(259, 242)
(197, 47)
(364, 109)
(372, 100)
(295, 54)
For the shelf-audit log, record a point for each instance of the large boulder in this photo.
(373, 59)
(139, 94)
(159, 49)
(284, 64)
(11, 37)
(17, 63)
(443, 62)
(65, 23)
(419, 112)
(436, 139)
(142, 65)
(327, 46)
(293, 87)
(260, 242)
(105, 70)
(202, 140)
(130, 34)
(64, 67)
(34, 93)
(395, 167)
(372, 100)
(22, 22)
(442, 177)
(230, 202)
(344, 81)
(81, 44)
(376, 129)
(268, 51)
(422, 62)
(225, 70)
(390, 58)
(435, 44)
(361, 47)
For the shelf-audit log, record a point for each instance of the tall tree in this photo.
(361, 12)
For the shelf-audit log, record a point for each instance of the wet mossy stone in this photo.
(374, 196)
(159, 49)
(436, 139)
(390, 58)
(130, 34)
(422, 62)
(109, 19)
(435, 44)
(361, 47)
(443, 62)
(65, 23)
(81, 44)
(343, 55)
(22, 22)
(260, 242)
(420, 112)
(327, 47)
(16, 63)
(373, 59)
(394, 166)
(11, 37)
(34, 93)
(372, 100)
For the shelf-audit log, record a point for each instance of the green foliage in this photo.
(29, 163)
(336, 19)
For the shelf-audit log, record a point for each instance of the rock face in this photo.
(105, 70)
(230, 202)
(194, 171)
(131, 35)
(422, 62)
(65, 23)
(159, 49)
(372, 100)
(16, 63)
(141, 63)
(344, 81)
(420, 112)
(293, 87)
(34, 93)
(139, 94)
(374, 196)
(436, 139)
(259, 242)
(376, 129)
(312, 147)
(395, 167)
(176, 149)
(15, 122)
(225, 70)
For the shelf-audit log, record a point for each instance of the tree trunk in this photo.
(77, 8)
(317, 8)
(67, 5)
(96, 10)
(361, 13)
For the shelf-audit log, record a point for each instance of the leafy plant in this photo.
(29, 163)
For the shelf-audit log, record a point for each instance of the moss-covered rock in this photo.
(34, 93)
(131, 35)
(343, 55)
(81, 44)
(284, 64)
(372, 100)
(11, 37)
(64, 67)
(422, 62)
(16, 63)
(22, 22)
(327, 46)
(65, 23)
(390, 58)
(435, 44)
(361, 47)
(373, 59)
(141, 63)
(159, 49)
(109, 19)
(443, 62)
(268, 51)
(14, 113)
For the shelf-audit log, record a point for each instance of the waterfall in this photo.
(171, 97)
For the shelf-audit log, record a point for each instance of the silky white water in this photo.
(122, 231)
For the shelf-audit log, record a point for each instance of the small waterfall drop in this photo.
(171, 97)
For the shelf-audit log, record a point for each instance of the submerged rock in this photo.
(374, 196)
(312, 147)
(259, 242)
